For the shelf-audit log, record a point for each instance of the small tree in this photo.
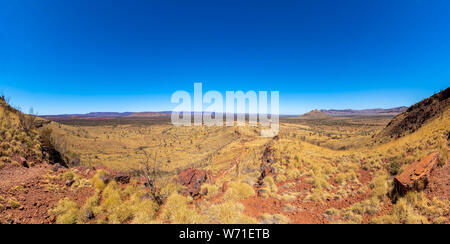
(27, 121)
(150, 170)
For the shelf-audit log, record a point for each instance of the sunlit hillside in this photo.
(317, 170)
(330, 170)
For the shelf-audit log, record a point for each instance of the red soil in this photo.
(34, 197)
(307, 212)
(439, 183)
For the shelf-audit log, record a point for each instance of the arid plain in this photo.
(319, 169)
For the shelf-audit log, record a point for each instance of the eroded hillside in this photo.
(417, 115)
(316, 171)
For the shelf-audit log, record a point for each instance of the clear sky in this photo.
(128, 55)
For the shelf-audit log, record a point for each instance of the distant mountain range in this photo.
(315, 114)
(365, 112)
(109, 115)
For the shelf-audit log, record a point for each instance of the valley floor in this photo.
(313, 172)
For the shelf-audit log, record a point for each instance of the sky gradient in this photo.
(84, 56)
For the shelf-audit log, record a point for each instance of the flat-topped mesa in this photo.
(315, 114)
(415, 176)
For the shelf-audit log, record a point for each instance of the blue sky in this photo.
(113, 55)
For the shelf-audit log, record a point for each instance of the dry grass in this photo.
(112, 205)
(328, 156)
(177, 210)
(67, 212)
(16, 136)
(416, 208)
(274, 219)
(238, 191)
(229, 212)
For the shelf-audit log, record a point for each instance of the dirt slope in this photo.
(439, 183)
(27, 194)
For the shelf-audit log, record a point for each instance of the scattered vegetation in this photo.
(394, 165)
(67, 212)
(315, 162)
(228, 212)
(416, 208)
(110, 204)
(238, 191)
(177, 210)
(13, 203)
(18, 135)
(274, 219)
(443, 153)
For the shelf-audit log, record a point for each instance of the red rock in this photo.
(193, 180)
(416, 175)
(266, 170)
(224, 187)
(205, 192)
(69, 183)
(122, 178)
(23, 162)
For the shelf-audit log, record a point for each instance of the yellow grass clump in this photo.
(274, 219)
(238, 191)
(269, 188)
(13, 203)
(443, 153)
(177, 211)
(98, 181)
(67, 212)
(229, 212)
(90, 209)
(381, 186)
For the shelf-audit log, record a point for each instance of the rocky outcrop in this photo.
(193, 179)
(23, 162)
(416, 116)
(416, 175)
(122, 178)
(315, 114)
(266, 167)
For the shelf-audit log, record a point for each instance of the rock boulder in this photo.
(416, 175)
